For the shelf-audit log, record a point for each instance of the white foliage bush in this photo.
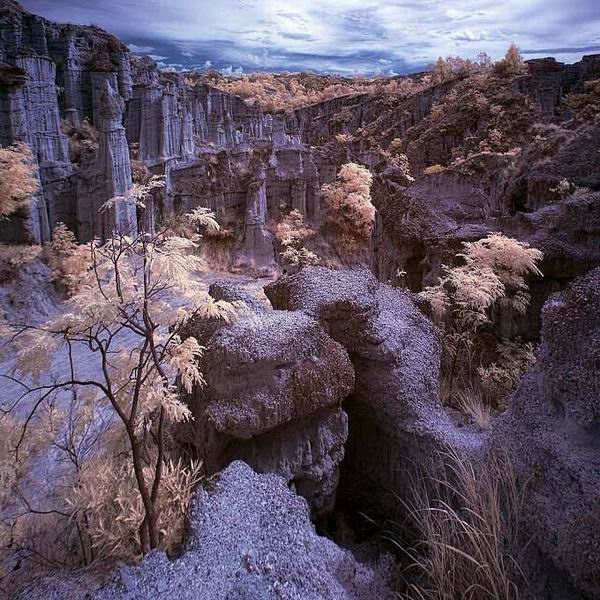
(492, 274)
(127, 314)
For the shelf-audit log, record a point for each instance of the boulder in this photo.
(275, 382)
(396, 421)
(251, 537)
(232, 291)
(551, 433)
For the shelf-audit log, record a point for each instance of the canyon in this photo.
(327, 386)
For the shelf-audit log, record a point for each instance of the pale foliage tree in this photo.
(492, 274)
(452, 67)
(512, 64)
(285, 91)
(289, 91)
(68, 260)
(298, 258)
(128, 316)
(350, 211)
(292, 230)
(18, 181)
(292, 233)
(492, 269)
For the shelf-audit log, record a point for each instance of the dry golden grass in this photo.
(467, 519)
(470, 403)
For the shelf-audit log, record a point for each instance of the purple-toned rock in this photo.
(551, 433)
(396, 421)
(275, 382)
(251, 537)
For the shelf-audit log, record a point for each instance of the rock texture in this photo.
(274, 387)
(249, 537)
(396, 421)
(551, 433)
(535, 181)
(55, 58)
(157, 118)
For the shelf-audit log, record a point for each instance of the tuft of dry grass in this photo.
(467, 521)
(471, 404)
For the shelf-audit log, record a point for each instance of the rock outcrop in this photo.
(158, 118)
(551, 434)
(274, 387)
(396, 421)
(249, 537)
(530, 173)
(74, 61)
(110, 174)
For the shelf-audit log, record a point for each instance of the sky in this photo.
(335, 36)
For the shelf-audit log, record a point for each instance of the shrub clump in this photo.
(292, 233)
(18, 180)
(349, 211)
(68, 260)
(492, 276)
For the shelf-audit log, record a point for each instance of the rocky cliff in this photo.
(59, 83)
(57, 78)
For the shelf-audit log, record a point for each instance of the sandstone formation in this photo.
(534, 179)
(333, 391)
(396, 421)
(551, 433)
(137, 112)
(275, 381)
(274, 387)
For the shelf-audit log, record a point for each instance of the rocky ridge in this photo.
(217, 151)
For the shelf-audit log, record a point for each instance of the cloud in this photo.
(141, 49)
(469, 35)
(297, 36)
(344, 36)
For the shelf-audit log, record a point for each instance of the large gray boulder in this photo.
(250, 538)
(275, 382)
(551, 433)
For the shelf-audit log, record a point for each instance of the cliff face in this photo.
(55, 78)
(63, 67)
(249, 166)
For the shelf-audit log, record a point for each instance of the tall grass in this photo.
(467, 523)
